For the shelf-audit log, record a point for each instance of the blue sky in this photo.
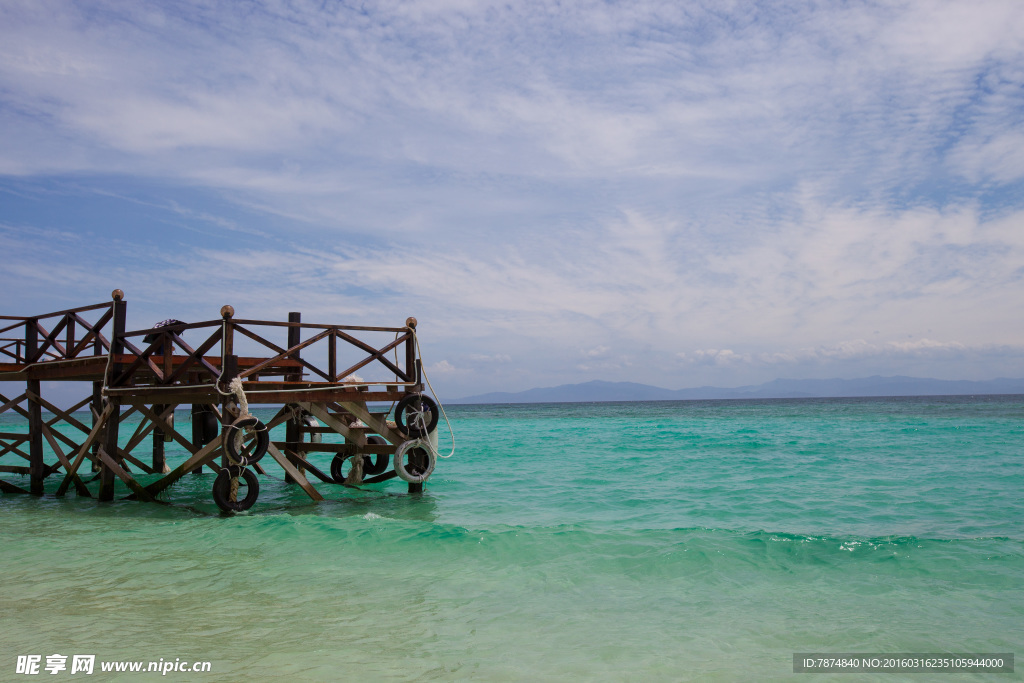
(676, 193)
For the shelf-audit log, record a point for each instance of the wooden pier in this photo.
(150, 372)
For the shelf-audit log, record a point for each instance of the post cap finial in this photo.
(117, 295)
(410, 322)
(227, 311)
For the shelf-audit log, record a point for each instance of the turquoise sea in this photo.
(615, 541)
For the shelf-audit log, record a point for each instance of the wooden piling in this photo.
(292, 428)
(158, 443)
(228, 372)
(109, 444)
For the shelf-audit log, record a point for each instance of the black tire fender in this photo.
(233, 440)
(222, 489)
(416, 415)
(378, 462)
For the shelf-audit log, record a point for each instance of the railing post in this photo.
(36, 466)
(31, 339)
(410, 351)
(228, 372)
(70, 342)
(332, 356)
(292, 433)
(113, 422)
(159, 460)
(97, 409)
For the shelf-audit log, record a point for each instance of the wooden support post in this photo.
(107, 474)
(332, 356)
(228, 372)
(69, 320)
(410, 350)
(37, 468)
(159, 462)
(35, 414)
(197, 430)
(227, 408)
(292, 433)
(417, 459)
(97, 408)
(109, 445)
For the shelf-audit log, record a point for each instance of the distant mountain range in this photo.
(779, 388)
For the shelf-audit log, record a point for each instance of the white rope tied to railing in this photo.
(448, 422)
(235, 387)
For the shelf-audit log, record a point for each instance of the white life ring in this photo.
(414, 475)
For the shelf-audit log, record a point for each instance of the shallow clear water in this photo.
(634, 541)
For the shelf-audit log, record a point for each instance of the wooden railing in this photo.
(159, 356)
(169, 360)
(70, 335)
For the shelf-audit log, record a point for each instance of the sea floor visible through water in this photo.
(613, 541)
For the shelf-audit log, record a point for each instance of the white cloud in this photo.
(749, 183)
(495, 358)
(442, 367)
(718, 357)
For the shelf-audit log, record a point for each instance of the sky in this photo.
(675, 193)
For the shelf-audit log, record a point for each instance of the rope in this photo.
(448, 422)
(235, 387)
(355, 475)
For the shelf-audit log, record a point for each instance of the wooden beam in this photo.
(58, 413)
(35, 430)
(13, 448)
(378, 354)
(15, 437)
(10, 488)
(196, 355)
(68, 477)
(306, 447)
(294, 360)
(114, 467)
(290, 353)
(320, 412)
(10, 403)
(167, 429)
(108, 444)
(79, 484)
(295, 474)
(379, 425)
(201, 457)
(50, 339)
(140, 433)
(93, 332)
(381, 477)
(140, 358)
(135, 461)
